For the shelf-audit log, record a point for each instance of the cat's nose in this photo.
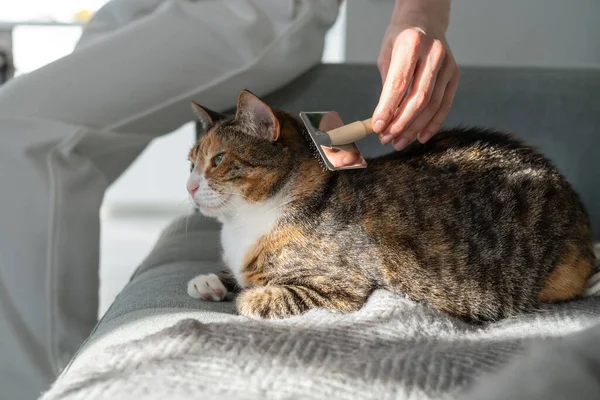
(192, 187)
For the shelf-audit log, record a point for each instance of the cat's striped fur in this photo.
(474, 223)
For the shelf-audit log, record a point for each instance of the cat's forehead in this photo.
(208, 145)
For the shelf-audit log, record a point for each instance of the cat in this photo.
(474, 223)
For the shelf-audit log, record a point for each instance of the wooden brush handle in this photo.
(350, 133)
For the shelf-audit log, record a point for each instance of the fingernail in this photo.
(379, 125)
(423, 137)
(400, 144)
(385, 139)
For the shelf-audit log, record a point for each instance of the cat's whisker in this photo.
(183, 202)
(279, 205)
(185, 206)
(249, 200)
(187, 219)
(275, 207)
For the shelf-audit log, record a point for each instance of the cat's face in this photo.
(242, 160)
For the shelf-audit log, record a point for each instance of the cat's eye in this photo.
(218, 159)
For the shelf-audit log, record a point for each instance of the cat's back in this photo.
(458, 165)
(462, 166)
(468, 171)
(467, 150)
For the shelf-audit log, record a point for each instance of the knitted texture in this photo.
(392, 348)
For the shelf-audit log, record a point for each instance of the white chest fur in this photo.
(241, 232)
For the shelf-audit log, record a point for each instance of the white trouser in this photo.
(72, 127)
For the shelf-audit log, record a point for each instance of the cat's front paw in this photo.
(269, 302)
(208, 287)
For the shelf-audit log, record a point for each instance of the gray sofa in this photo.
(156, 341)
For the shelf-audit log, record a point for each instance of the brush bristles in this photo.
(314, 150)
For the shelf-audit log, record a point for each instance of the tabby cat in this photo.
(473, 223)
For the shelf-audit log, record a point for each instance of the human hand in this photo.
(342, 156)
(415, 56)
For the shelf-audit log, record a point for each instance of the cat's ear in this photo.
(258, 116)
(207, 118)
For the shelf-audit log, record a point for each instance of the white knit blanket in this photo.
(392, 348)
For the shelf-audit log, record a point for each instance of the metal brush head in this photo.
(333, 158)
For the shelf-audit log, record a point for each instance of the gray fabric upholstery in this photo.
(561, 368)
(391, 348)
(409, 350)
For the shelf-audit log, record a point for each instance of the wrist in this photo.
(426, 14)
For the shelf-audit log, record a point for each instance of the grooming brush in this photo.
(336, 147)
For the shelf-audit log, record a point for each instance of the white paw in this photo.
(208, 287)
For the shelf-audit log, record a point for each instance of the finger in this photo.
(399, 143)
(420, 94)
(352, 155)
(400, 72)
(344, 156)
(438, 119)
(383, 61)
(429, 112)
(334, 156)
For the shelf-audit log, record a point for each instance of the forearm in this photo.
(425, 13)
